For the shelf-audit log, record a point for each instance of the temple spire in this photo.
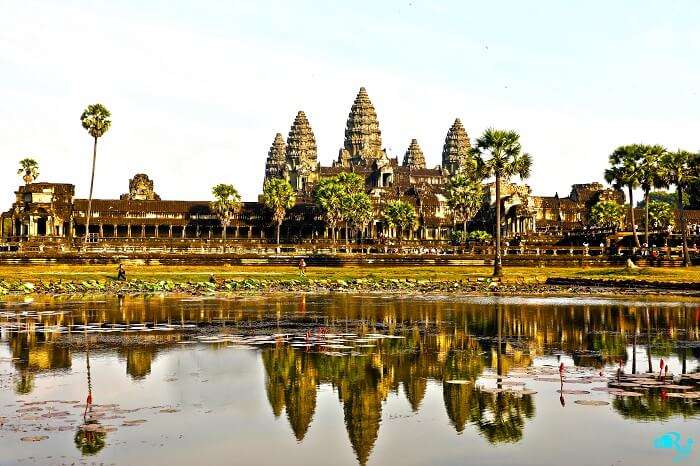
(456, 153)
(301, 143)
(414, 157)
(363, 139)
(276, 158)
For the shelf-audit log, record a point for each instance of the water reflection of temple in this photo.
(363, 383)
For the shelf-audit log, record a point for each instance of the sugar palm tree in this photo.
(96, 120)
(226, 203)
(357, 211)
(329, 195)
(29, 168)
(500, 155)
(681, 169)
(464, 198)
(401, 215)
(624, 172)
(650, 177)
(278, 196)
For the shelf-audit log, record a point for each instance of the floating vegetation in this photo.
(592, 402)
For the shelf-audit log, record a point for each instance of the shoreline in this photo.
(404, 287)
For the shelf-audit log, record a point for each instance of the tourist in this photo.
(121, 273)
(212, 279)
(302, 267)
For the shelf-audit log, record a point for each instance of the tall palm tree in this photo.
(401, 215)
(681, 169)
(278, 196)
(329, 195)
(624, 171)
(357, 211)
(96, 120)
(29, 168)
(500, 155)
(650, 177)
(226, 203)
(464, 197)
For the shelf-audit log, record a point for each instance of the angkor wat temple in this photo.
(50, 210)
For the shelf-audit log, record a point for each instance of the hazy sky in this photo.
(198, 89)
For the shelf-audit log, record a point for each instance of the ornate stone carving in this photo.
(363, 139)
(456, 153)
(140, 189)
(414, 157)
(276, 163)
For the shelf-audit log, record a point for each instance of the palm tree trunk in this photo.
(223, 232)
(92, 183)
(279, 225)
(684, 229)
(497, 264)
(646, 220)
(634, 223)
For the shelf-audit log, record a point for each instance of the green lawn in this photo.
(435, 273)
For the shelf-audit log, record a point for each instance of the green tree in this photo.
(650, 177)
(607, 214)
(329, 195)
(664, 196)
(400, 215)
(681, 170)
(624, 172)
(96, 119)
(357, 211)
(226, 203)
(500, 155)
(661, 214)
(464, 198)
(278, 196)
(29, 168)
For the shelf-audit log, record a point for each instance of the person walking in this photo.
(302, 267)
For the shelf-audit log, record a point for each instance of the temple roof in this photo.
(301, 142)
(456, 150)
(363, 138)
(414, 157)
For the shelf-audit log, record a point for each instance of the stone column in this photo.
(156, 231)
(128, 230)
(101, 231)
(116, 230)
(183, 231)
(143, 231)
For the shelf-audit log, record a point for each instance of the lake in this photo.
(347, 380)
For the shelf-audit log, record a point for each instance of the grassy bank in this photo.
(270, 273)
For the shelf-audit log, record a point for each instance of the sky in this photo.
(198, 89)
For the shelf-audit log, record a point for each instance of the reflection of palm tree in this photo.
(90, 437)
(502, 416)
(651, 407)
(25, 383)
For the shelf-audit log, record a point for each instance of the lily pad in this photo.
(591, 402)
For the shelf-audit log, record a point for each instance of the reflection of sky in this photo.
(226, 418)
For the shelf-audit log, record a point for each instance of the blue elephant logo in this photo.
(672, 441)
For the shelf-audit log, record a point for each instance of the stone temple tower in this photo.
(456, 153)
(276, 164)
(363, 139)
(301, 156)
(414, 157)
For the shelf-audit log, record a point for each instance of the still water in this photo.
(346, 380)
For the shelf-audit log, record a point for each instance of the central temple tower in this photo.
(363, 139)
